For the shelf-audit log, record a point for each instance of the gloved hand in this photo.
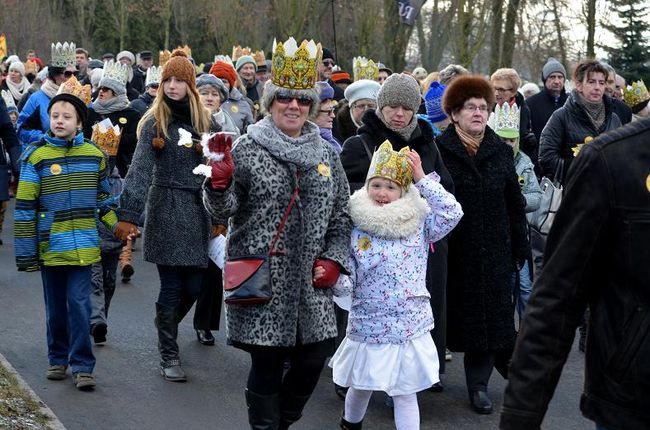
(327, 273)
(223, 170)
(125, 230)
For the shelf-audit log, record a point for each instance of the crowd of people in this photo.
(374, 221)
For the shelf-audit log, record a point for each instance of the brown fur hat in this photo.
(464, 88)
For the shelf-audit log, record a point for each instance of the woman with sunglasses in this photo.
(253, 188)
(34, 121)
(177, 224)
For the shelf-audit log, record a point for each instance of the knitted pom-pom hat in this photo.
(180, 67)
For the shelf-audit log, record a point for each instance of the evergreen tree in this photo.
(632, 59)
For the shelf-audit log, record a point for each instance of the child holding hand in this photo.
(387, 345)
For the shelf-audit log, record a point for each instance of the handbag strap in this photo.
(365, 146)
(272, 250)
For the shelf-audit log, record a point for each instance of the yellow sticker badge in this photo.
(234, 109)
(55, 169)
(364, 243)
(647, 183)
(324, 170)
(122, 120)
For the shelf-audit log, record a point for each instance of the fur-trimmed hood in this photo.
(396, 220)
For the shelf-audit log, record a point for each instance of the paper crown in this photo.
(116, 71)
(107, 136)
(153, 76)
(390, 164)
(164, 56)
(31, 67)
(505, 121)
(260, 60)
(224, 58)
(63, 55)
(636, 93)
(72, 86)
(238, 51)
(364, 68)
(296, 67)
(9, 101)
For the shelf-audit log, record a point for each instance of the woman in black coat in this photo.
(490, 240)
(403, 90)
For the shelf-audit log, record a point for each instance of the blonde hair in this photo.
(161, 114)
(510, 75)
(426, 83)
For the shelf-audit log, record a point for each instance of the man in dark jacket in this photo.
(597, 255)
(325, 73)
(140, 71)
(623, 111)
(551, 98)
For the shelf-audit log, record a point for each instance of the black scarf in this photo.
(180, 110)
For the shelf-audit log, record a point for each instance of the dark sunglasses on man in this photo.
(285, 99)
(69, 73)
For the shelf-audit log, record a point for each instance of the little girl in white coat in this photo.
(387, 345)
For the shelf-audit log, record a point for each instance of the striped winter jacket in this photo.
(62, 193)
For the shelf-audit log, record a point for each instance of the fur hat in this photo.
(208, 79)
(419, 73)
(552, 66)
(180, 67)
(79, 105)
(18, 66)
(126, 54)
(399, 89)
(363, 89)
(464, 88)
(223, 70)
(245, 59)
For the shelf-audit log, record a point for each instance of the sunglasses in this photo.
(285, 99)
(69, 74)
(154, 85)
(104, 89)
(329, 111)
(328, 63)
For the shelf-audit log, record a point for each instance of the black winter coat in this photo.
(127, 120)
(623, 111)
(568, 127)
(142, 103)
(343, 127)
(485, 245)
(9, 143)
(356, 163)
(541, 106)
(597, 255)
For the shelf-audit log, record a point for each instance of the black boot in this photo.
(263, 410)
(170, 363)
(350, 426)
(291, 407)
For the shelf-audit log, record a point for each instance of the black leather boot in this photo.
(291, 407)
(350, 426)
(170, 364)
(263, 410)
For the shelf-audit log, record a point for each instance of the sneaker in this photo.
(98, 332)
(447, 355)
(56, 372)
(84, 381)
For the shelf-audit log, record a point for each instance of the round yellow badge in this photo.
(588, 139)
(234, 109)
(55, 169)
(324, 169)
(364, 243)
(647, 183)
(122, 120)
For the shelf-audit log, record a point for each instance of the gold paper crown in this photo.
(31, 67)
(153, 76)
(259, 58)
(296, 67)
(238, 51)
(636, 93)
(505, 120)
(390, 164)
(63, 55)
(72, 86)
(107, 136)
(115, 71)
(224, 58)
(164, 56)
(364, 68)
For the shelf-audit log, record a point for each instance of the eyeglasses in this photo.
(285, 99)
(154, 85)
(362, 106)
(104, 89)
(329, 111)
(328, 63)
(69, 74)
(472, 108)
(503, 90)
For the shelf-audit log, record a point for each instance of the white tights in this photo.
(407, 413)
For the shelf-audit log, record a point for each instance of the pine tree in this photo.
(632, 58)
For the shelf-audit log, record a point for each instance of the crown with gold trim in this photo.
(63, 55)
(364, 68)
(505, 120)
(636, 93)
(72, 86)
(238, 51)
(390, 164)
(31, 67)
(164, 56)
(260, 59)
(224, 58)
(296, 67)
(154, 75)
(107, 136)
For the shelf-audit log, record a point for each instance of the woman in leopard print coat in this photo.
(279, 152)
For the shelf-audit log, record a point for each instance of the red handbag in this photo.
(247, 279)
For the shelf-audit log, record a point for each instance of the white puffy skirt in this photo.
(395, 369)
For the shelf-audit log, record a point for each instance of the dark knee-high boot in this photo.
(170, 363)
(291, 406)
(263, 410)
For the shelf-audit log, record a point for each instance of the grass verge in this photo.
(18, 410)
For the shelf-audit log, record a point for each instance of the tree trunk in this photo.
(396, 35)
(509, 32)
(591, 28)
(497, 27)
(558, 29)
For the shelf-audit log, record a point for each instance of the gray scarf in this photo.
(115, 104)
(595, 110)
(405, 132)
(49, 88)
(305, 151)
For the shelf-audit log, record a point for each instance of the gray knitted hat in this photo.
(399, 89)
(552, 66)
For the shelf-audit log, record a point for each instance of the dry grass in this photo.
(18, 410)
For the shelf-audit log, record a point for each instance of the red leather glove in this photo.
(125, 229)
(332, 272)
(223, 170)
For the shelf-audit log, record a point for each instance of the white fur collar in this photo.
(399, 219)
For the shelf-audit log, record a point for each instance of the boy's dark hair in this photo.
(586, 68)
(81, 51)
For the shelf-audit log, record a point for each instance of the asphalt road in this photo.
(131, 394)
